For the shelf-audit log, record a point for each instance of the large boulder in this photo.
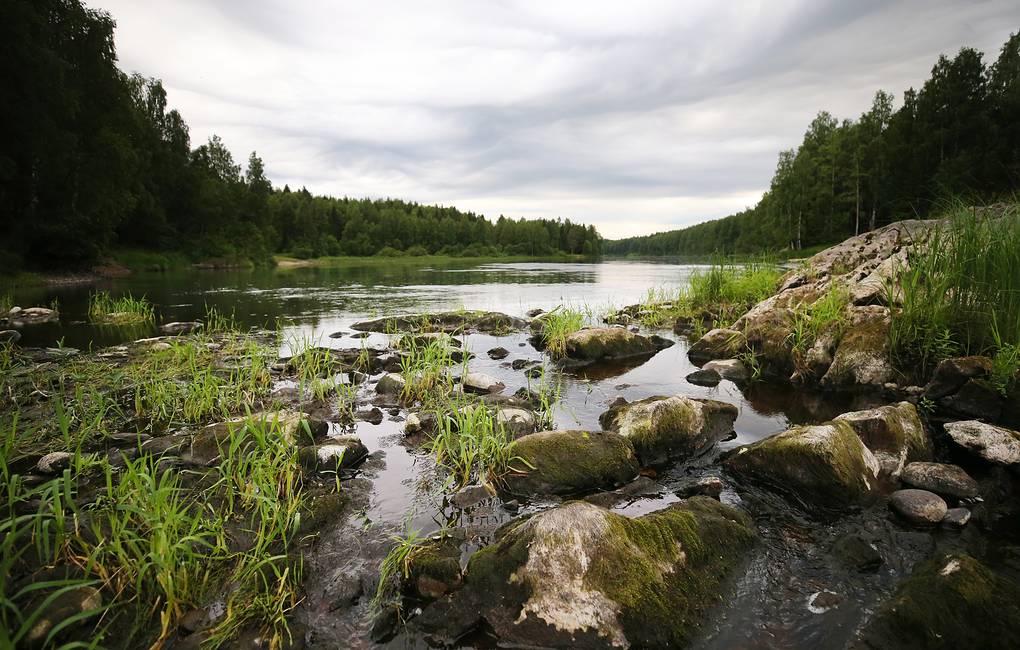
(661, 428)
(610, 343)
(949, 602)
(951, 374)
(580, 576)
(894, 433)
(824, 465)
(862, 356)
(570, 462)
(996, 445)
(719, 343)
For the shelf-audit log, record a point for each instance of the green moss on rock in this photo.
(607, 343)
(570, 462)
(893, 432)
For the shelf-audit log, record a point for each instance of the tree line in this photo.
(93, 160)
(958, 137)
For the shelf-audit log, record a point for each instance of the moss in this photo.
(661, 428)
(862, 357)
(949, 602)
(607, 343)
(570, 462)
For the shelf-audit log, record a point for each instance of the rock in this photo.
(390, 384)
(732, 369)
(822, 601)
(951, 374)
(294, 426)
(518, 422)
(708, 486)
(333, 456)
(708, 378)
(639, 488)
(160, 346)
(434, 570)
(425, 339)
(824, 465)
(719, 343)
(976, 399)
(997, 445)
(521, 364)
(470, 495)
(176, 328)
(9, 337)
(857, 552)
(476, 382)
(946, 480)
(165, 445)
(54, 462)
(611, 343)
(862, 356)
(32, 316)
(918, 506)
(579, 576)
(661, 428)
(78, 604)
(570, 462)
(949, 602)
(531, 313)
(450, 322)
(894, 433)
(498, 353)
(373, 415)
(129, 439)
(956, 517)
(343, 589)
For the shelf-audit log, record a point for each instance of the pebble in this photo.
(54, 462)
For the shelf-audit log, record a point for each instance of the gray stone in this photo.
(943, 479)
(720, 343)
(732, 369)
(476, 382)
(178, 327)
(470, 495)
(996, 445)
(333, 456)
(498, 353)
(54, 462)
(707, 378)
(956, 517)
(390, 384)
(709, 486)
(33, 316)
(518, 422)
(82, 602)
(918, 506)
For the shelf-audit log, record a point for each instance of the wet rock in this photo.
(918, 506)
(521, 364)
(611, 343)
(942, 479)
(571, 462)
(862, 356)
(194, 620)
(177, 328)
(518, 422)
(390, 384)
(333, 456)
(708, 486)
(294, 426)
(719, 343)
(54, 462)
(498, 353)
(950, 601)
(732, 369)
(9, 337)
(857, 552)
(894, 433)
(479, 383)
(956, 517)
(425, 339)
(661, 428)
(385, 623)
(531, 313)
(325, 508)
(373, 415)
(824, 465)
(951, 374)
(32, 316)
(343, 590)
(165, 445)
(708, 378)
(579, 576)
(421, 423)
(641, 487)
(129, 439)
(976, 399)
(996, 445)
(822, 601)
(470, 495)
(453, 321)
(434, 570)
(79, 603)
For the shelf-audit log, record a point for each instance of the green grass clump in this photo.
(470, 443)
(825, 316)
(729, 290)
(6, 302)
(397, 564)
(557, 326)
(426, 372)
(125, 310)
(960, 294)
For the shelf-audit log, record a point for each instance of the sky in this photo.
(636, 116)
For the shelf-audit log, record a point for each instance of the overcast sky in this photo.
(635, 116)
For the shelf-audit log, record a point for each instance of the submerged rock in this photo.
(719, 343)
(894, 433)
(498, 353)
(825, 465)
(32, 316)
(611, 343)
(661, 428)
(732, 369)
(708, 378)
(949, 602)
(476, 382)
(996, 445)
(579, 576)
(333, 456)
(450, 322)
(946, 480)
(570, 462)
(918, 506)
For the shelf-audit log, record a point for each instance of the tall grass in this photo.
(960, 294)
(104, 308)
(557, 326)
(426, 372)
(727, 289)
(397, 564)
(471, 443)
(826, 316)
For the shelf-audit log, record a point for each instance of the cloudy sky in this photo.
(635, 116)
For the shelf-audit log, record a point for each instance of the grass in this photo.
(426, 372)
(557, 326)
(397, 565)
(125, 310)
(6, 302)
(827, 316)
(472, 444)
(960, 294)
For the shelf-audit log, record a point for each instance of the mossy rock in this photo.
(767, 334)
(333, 456)
(296, 428)
(894, 433)
(950, 602)
(570, 462)
(662, 428)
(434, 570)
(824, 465)
(609, 343)
(862, 356)
(720, 343)
(580, 576)
(449, 322)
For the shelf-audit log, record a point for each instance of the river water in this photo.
(769, 604)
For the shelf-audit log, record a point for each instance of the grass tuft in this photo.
(125, 310)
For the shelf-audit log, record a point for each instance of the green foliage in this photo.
(104, 308)
(426, 371)
(960, 294)
(396, 566)
(471, 443)
(557, 326)
(729, 290)
(826, 315)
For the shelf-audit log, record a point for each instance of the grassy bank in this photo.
(285, 262)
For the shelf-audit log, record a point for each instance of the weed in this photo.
(397, 564)
(104, 308)
(557, 326)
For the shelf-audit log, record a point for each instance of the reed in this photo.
(557, 326)
(125, 310)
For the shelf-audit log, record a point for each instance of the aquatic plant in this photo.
(426, 371)
(104, 308)
(471, 443)
(397, 564)
(557, 326)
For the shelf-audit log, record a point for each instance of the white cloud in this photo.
(636, 117)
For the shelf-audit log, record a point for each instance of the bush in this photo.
(416, 251)
(387, 251)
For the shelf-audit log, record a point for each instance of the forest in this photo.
(93, 161)
(956, 139)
